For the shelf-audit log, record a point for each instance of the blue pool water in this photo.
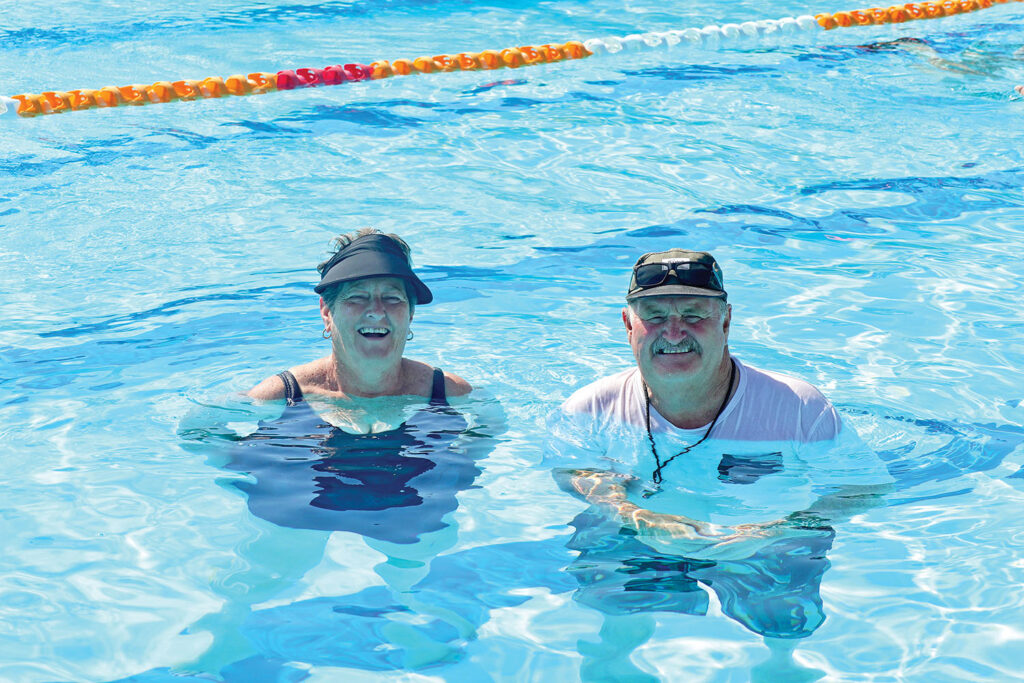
(864, 200)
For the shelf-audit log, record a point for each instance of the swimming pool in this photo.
(864, 198)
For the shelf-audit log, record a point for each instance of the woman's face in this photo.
(369, 320)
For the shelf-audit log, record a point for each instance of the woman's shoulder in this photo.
(313, 377)
(422, 377)
(308, 375)
(455, 385)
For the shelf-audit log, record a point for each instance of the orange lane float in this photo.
(54, 102)
(897, 14)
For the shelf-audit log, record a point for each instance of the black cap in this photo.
(375, 255)
(676, 272)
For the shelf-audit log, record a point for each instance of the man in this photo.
(693, 462)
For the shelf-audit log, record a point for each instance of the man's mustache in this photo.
(686, 344)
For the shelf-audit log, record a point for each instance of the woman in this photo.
(385, 465)
(368, 295)
(367, 443)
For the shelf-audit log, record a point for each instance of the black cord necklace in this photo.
(656, 476)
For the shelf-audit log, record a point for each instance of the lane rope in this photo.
(59, 102)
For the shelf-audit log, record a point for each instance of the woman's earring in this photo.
(326, 334)
(409, 336)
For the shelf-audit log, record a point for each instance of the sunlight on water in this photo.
(862, 195)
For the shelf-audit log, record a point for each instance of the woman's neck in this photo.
(369, 379)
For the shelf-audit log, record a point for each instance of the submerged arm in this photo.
(841, 506)
(851, 477)
(607, 491)
(232, 418)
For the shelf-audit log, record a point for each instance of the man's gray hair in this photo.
(723, 304)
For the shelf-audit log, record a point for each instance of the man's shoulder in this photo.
(602, 395)
(768, 383)
(789, 408)
(590, 419)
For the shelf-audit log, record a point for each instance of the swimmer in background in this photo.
(701, 470)
(973, 61)
(367, 443)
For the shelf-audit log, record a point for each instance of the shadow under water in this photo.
(431, 604)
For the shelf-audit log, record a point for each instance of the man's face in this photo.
(678, 337)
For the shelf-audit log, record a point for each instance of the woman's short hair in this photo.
(330, 295)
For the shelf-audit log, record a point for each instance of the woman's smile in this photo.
(374, 332)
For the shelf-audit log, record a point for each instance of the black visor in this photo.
(373, 255)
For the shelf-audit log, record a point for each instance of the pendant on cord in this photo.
(656, 476)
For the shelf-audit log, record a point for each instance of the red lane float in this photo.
(52, 102)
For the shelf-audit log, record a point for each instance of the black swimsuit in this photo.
(392, 485)
(293, 392)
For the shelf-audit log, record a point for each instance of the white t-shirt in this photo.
(777, 446)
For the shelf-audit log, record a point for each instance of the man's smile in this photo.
(685, 346)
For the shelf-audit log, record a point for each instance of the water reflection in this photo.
(431, 604)
(391, 486)
(773, 592)
(395, 488)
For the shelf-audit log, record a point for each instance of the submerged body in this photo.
(392, 485)
(367, 443)
(777, 446)
(703, 472)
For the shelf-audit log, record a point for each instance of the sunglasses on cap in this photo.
(684, 271)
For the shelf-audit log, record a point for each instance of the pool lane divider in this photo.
(57, 102)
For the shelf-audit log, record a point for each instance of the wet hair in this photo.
(330, 295)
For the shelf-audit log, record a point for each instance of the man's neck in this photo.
(692, 404)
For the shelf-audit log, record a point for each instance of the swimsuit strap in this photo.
(292, 390)
(438, 397)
